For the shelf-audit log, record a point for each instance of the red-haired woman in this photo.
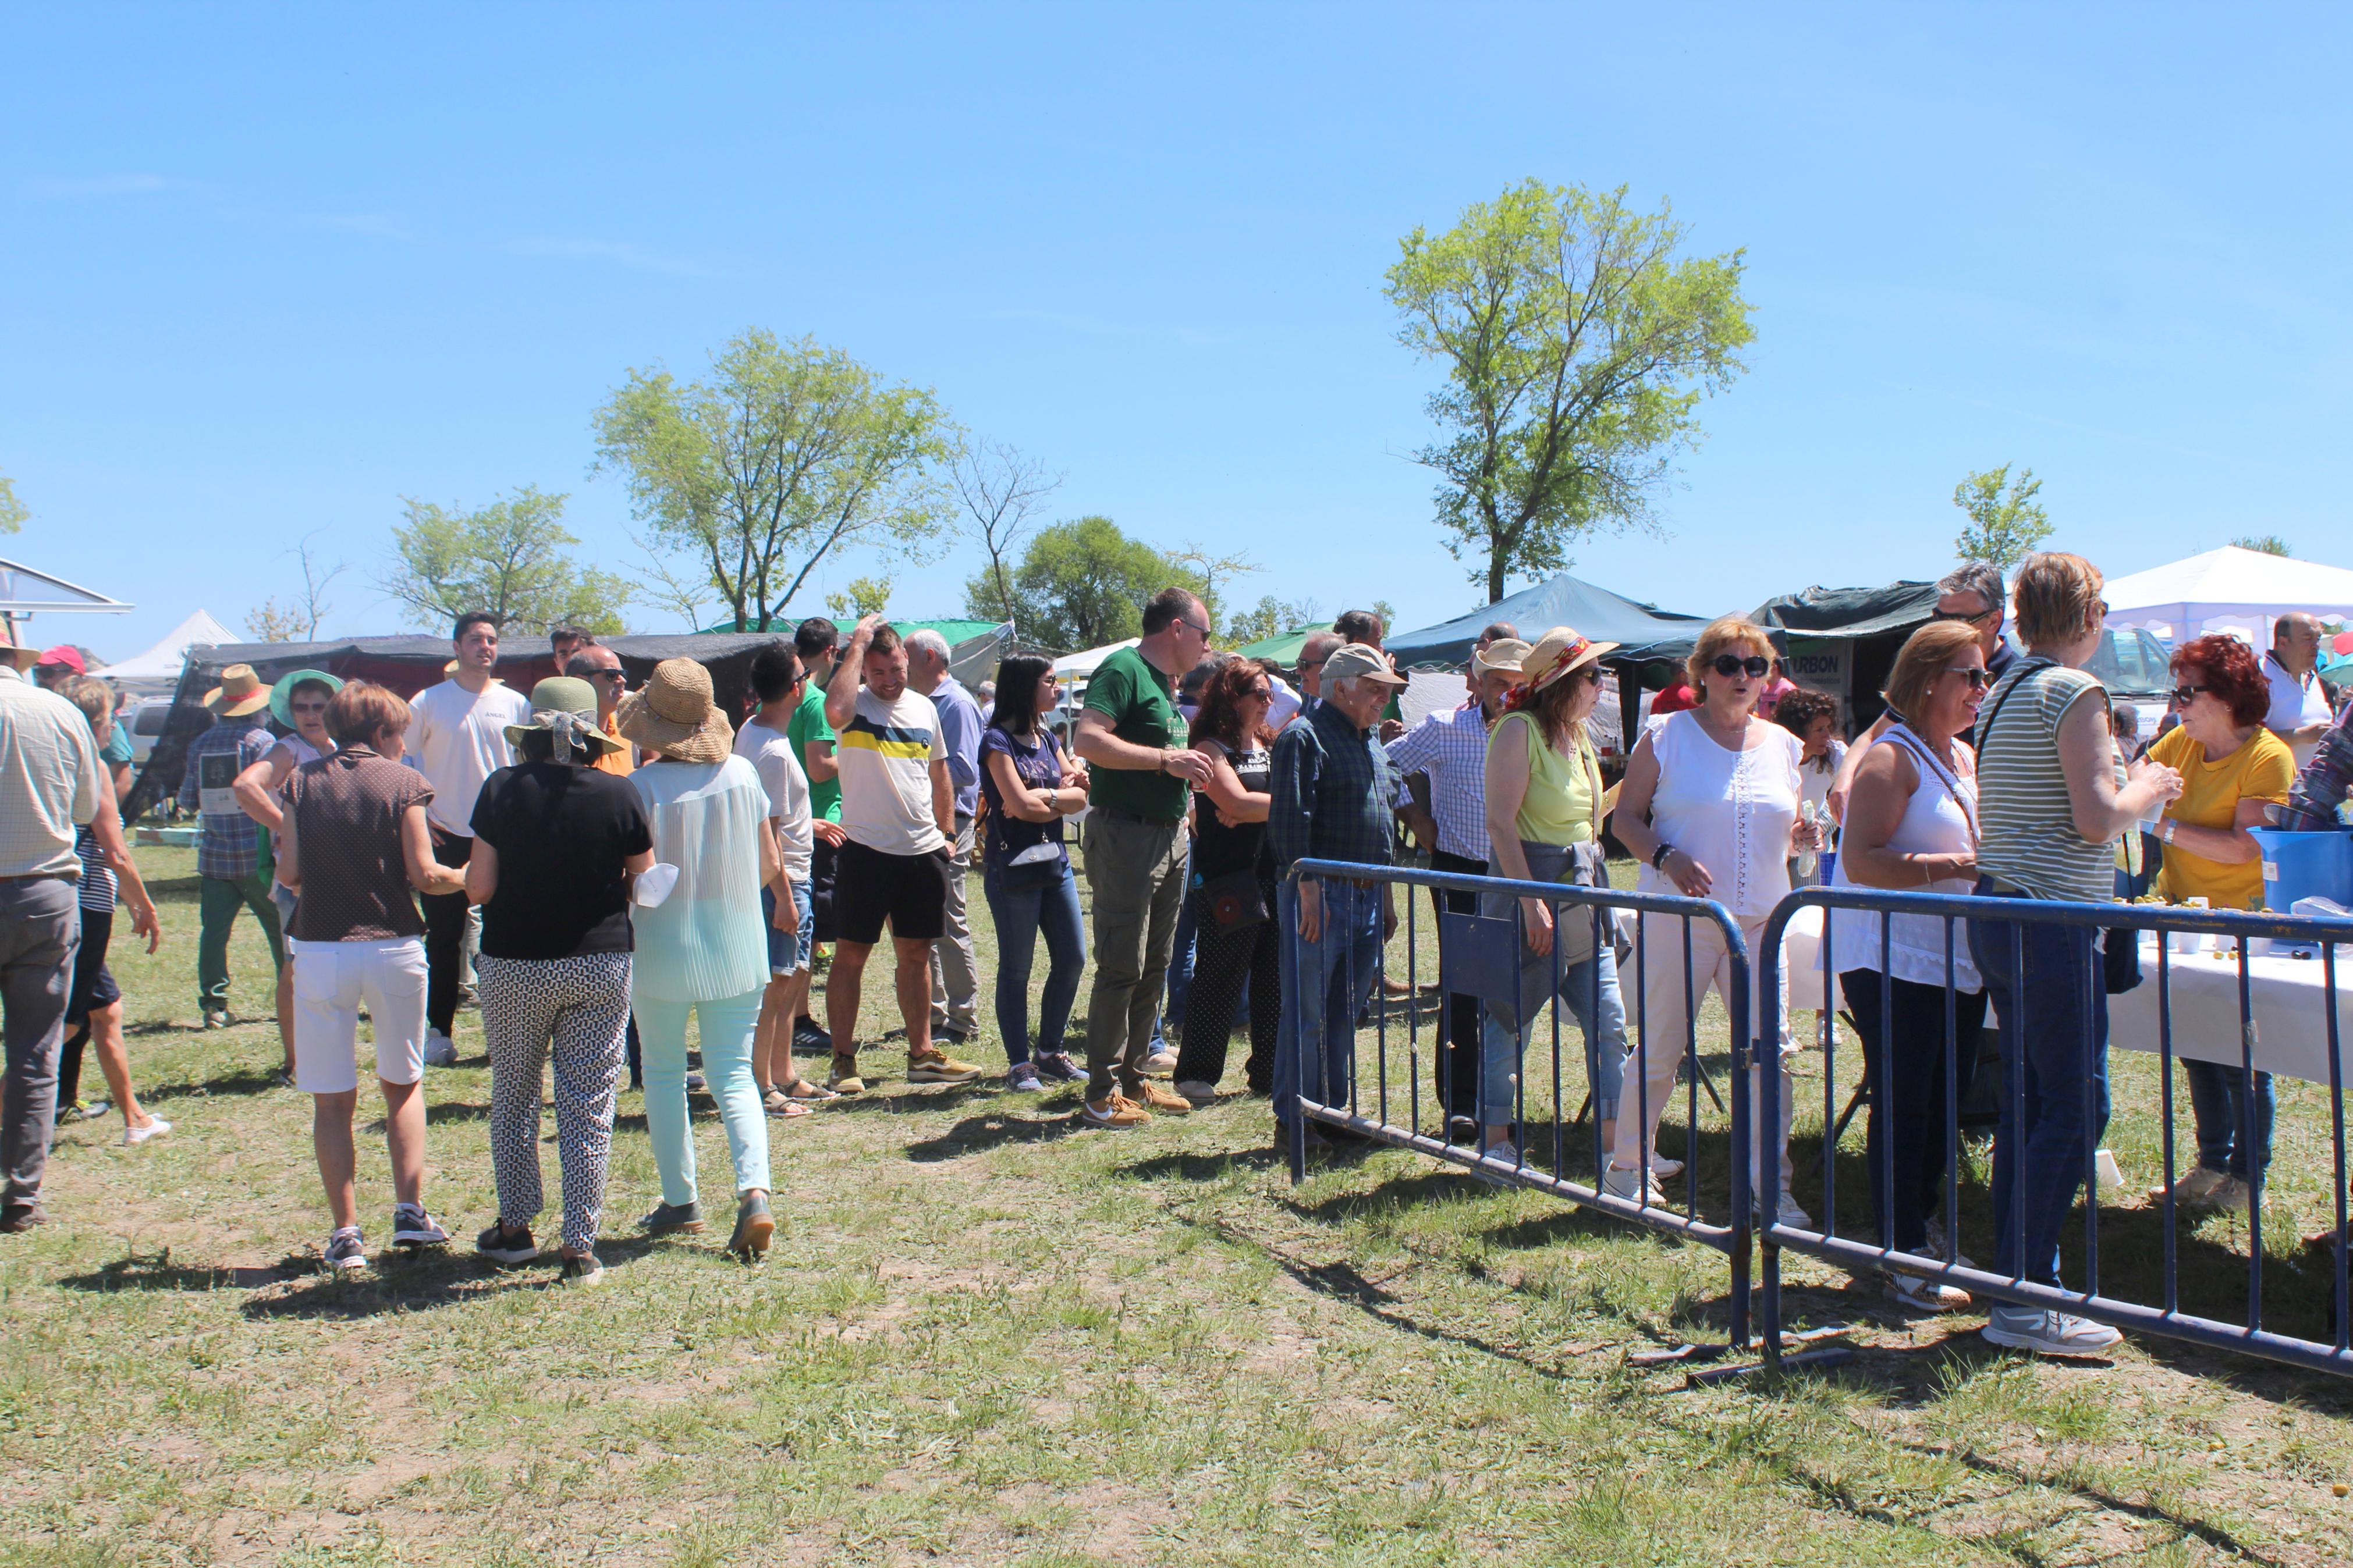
(2230, 766)
(1233, 885)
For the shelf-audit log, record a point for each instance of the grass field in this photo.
(986, 1337)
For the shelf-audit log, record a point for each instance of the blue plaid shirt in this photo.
(1333, 786)
(1452, 748)
(229, 845)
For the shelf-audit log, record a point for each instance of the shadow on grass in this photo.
(156, 1271)
(976, 1134)
(244, 1080)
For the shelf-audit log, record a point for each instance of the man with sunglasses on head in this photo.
(1973, 593)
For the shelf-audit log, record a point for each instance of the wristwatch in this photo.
(2165, 830)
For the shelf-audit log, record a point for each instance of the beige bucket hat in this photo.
(674, 713)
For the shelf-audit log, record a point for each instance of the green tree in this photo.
(864, 596)
(2005, 522)
(13, 513)
(1271, 617)
(511, 558)
(1577, 344)
(788, 452)
(2269, 543)
(1083, 583)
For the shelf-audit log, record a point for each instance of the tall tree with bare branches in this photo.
(1000, 489)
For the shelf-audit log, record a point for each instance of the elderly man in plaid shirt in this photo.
(1333, 791)
(232, 866)
(1443, 803)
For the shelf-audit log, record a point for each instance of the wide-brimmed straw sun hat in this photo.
(1556, 653)
(281, 695)
(1504, 653)
(565, 706)
(674, 713)
(17, 653)
(240, 692)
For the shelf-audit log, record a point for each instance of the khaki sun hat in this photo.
(1361, 661)
(565, 706)
(1556, 653)
(240, 692)
(17, 653)
(674, 713)
(1504, 653)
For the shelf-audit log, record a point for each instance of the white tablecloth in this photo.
(2287, 995)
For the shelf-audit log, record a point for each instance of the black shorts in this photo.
(822, 859)
(910, 891)
(93, 982)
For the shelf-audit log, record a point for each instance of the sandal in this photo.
(778, 1103)
(801, 1088)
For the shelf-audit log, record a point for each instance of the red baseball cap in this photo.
(62, 654)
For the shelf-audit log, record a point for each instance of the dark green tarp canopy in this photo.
(1897, 610)
(1646, 631)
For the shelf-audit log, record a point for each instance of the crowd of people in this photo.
(597, 867)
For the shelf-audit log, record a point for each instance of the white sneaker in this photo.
(134, 1136)
(1666, 1170)
(1790, 1215)
(440, 1050)
(1498, 1158)
(1918, 1295)
(1635, 1186)
(2198, 1188)
(2234, 1194)
(2048, 1334)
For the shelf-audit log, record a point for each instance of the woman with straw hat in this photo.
(298, 702)
(1544, 804)
(702, 949)
(556, 843)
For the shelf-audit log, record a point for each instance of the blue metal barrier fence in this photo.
(1485, 956)
(2003, 938)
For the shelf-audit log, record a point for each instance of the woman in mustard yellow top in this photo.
(1544, 825)
(2230, 766)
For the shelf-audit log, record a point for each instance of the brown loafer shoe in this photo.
(1158, 1096)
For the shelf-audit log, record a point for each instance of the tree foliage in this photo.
(511, 558)
(2005, 522)
(864, 596)
(297, 619)
(2269, 543)
(13, 512)
(1272, 617)
(1000, 490)
(1083, 583)
(788, 452)
(1577, 344)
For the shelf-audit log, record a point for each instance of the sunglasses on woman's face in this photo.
(1976, 675)
(1755, 666)
(2182, 695)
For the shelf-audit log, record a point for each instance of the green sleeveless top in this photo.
(1564, 791)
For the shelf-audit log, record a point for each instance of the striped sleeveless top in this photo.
(2028, 824)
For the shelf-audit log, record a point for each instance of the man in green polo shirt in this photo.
(818, 641)
(1135, 849)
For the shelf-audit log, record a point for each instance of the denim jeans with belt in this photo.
(1333, 978)
(1021, 916)
(2053, 1006)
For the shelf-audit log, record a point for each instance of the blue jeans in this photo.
(788, 950)
(1332, 979)
(1020, 916)
(2221, 1108)
(727, 1026)
(1501, 1049)
(2053, 1006)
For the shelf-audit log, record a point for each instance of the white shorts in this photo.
(331, 979)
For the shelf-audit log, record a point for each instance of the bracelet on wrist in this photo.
(1659, 855)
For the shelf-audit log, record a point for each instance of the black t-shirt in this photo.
(1218, 850)
(560, 834)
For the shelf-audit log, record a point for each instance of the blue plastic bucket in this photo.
(2305, 864)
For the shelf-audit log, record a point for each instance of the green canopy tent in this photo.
(1843, 641)
(1283, 648)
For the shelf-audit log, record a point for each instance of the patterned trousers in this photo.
(579, 1005)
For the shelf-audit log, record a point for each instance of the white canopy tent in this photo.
(157, 670)
(1076, 666)
(2227, 590)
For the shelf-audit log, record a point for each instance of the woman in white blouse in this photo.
(1912, 825)
(1710, 805)
(703, 949)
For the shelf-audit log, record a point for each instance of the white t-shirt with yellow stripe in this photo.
(886, 753)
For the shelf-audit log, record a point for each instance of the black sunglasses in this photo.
(1733, 664)
(2183, 694)
(1976, 675)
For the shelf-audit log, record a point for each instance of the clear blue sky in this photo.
(267, 270)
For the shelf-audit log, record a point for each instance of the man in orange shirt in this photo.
(601, 668)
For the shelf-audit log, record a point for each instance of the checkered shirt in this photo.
(1451, 748)
(229, 845)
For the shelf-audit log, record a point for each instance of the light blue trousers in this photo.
(727, 1026)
